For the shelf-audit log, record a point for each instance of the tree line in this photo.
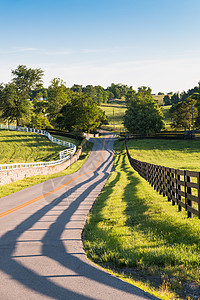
(25, 101)
(185, 109)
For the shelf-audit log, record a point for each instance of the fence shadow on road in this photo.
(56, 251)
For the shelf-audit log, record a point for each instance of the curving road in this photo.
(41, 251)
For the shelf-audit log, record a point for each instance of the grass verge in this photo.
(27, 182)
(139, 235)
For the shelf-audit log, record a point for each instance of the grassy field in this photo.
(27, 147)
(178, 154)
(119, 107)
(30, 181)
(116, 121)
(167, 119)
(138, 234)
(158, 99)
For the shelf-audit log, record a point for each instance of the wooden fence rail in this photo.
(182, 187)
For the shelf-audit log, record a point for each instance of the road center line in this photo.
(7, 212)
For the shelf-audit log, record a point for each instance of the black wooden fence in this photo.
(182, 187)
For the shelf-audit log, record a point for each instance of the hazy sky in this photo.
(135, 42)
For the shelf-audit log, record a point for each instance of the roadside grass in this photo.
(140, 236)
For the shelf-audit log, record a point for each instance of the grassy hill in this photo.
(114, 110)
(158, 98)
(167, 119)
(27, 147)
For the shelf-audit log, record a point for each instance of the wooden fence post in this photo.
(189, 202)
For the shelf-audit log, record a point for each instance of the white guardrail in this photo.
(63, 155)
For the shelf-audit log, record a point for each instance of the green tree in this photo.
(14, 108)
(39, 105)
(59, 95)
(39, 121)
(175, 98)
(144, 90)
(77, 88)
(181, 114)
(130, 97)
(81, 114)
(118, 90)
(143, 115)
(196, 105)
(167, 100)
(27, 80)
(15, 95)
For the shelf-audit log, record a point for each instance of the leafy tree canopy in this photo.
(26, 80)
(81, 114)
(143, 115)
(183, 114)
(14, 96)
(59, 95)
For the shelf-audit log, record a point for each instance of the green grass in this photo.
(18, 147)
(138, 234)
(67, 139)
(167, 119)
(178, 154)
(27, 182)
(119, 107)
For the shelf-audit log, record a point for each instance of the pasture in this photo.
(167, 119)
(22, 142)
(16, 147)
(135, 232)
(114, 111)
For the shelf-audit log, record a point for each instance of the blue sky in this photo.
(135, 42)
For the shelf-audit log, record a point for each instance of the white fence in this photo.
(63, 155)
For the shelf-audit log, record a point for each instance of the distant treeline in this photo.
(27, 102)
(174, 98)
(96, 92)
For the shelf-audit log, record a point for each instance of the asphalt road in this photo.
(41, 251)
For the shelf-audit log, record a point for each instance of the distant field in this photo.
(167, 119)
(158, 98)
(119, 107)
(26, 147)
(115, 111)
(178, 154)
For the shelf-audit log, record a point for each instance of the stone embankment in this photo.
(12, 175)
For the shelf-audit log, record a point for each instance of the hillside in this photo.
(26, 147)
(114, 110)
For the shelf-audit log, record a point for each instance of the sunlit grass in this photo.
(19, 147)
(30, 181)
(134, 230)
(115, 112)
(178, 154)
